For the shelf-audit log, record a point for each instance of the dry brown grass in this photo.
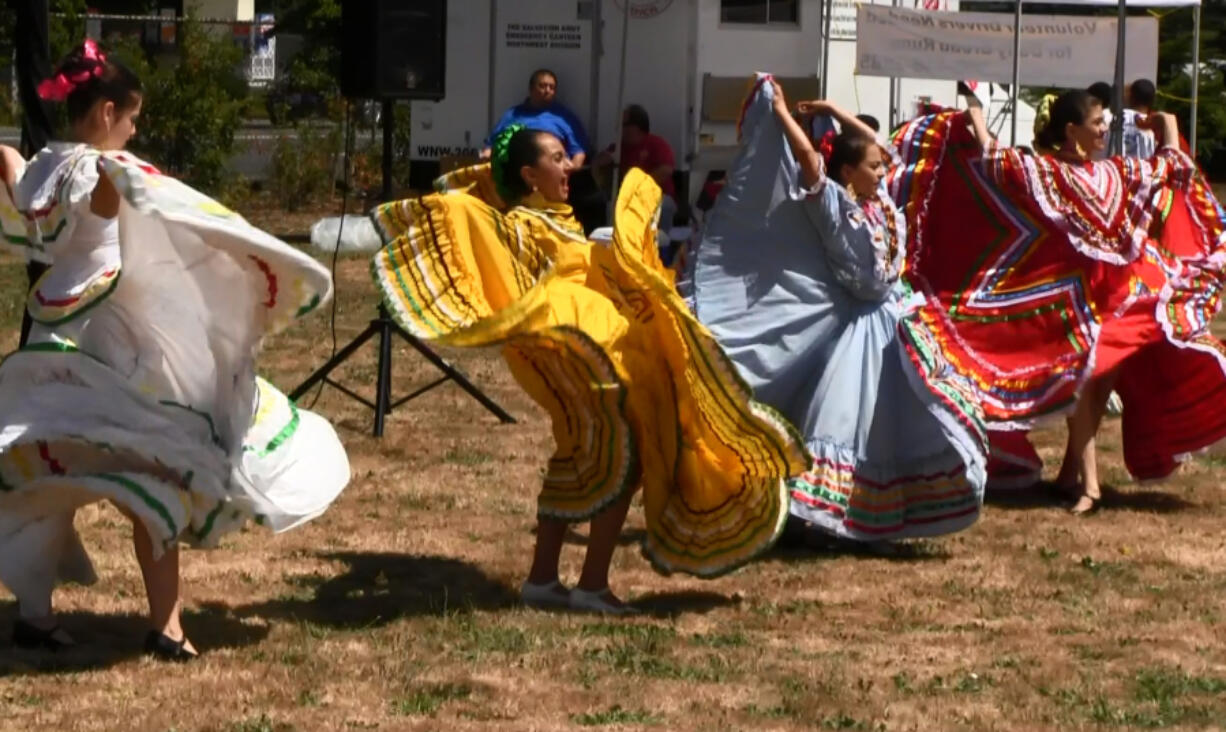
(396, 610)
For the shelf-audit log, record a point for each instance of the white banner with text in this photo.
(1057, 50)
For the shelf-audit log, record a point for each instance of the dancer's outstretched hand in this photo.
(1164, 125)
(816, 107)
(1153, 121)
(780, 101)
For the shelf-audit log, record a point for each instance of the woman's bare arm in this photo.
(10, 162)
(812, 169)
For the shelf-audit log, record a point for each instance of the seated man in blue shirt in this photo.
(540, 112)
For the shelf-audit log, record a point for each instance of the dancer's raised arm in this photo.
(812, 169)
(848, 122)
(978, 125)
(1165, 123)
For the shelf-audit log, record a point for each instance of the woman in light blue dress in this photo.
(797, 275)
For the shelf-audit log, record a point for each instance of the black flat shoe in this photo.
(161, 646)
(32, 637)
(1086, 504)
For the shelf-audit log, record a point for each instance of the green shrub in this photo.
(302, 166)
(193, 105)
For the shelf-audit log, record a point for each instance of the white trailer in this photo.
(687, 62)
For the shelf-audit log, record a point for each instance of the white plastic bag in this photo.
(357, 235)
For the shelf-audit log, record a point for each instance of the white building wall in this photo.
(658, 53)
(223, 9)
(672, 44)
(457, 124)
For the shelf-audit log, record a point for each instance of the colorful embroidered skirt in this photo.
(638, 391)
(1038, 275)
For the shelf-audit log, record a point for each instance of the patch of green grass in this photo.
(646, 652)
(1164, 685)
(466, 457)
(308, 698)
(636, 633)
(414, 502)
(1162, 697)
(427, 502)
(792, 607)
(633, 659)
(315, 630)
(1064, 697)
(843, 720)
(614, 715)
(1090, 653)
(479, 640)
(1118, 571)
(1103, 711)
(260, 724)
(972, 683)
(23, 700)
(293, 657)
(903, 683)
(1217, 461)
(793, 692)
(779, 711)
(427, 700)
(720, 640)
(1008, 662)
(12, 290)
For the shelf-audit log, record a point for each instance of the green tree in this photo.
(318, 66)
(1175, 79)
(193, 104)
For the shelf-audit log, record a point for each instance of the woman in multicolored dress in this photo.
(797, 275)
(638, 392)
(138, 384)
(1049, 278)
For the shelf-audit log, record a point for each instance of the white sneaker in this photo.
(595, 602)
(544, 597)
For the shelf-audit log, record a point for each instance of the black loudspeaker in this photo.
(394, 49)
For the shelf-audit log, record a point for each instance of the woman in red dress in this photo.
(1059, 278)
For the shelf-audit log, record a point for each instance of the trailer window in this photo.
(760, 12)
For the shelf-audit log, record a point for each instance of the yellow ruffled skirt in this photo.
(638, 391)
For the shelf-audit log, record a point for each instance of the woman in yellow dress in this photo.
(639, 393)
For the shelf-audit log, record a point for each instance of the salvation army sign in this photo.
(642, 9)
(1056, 50)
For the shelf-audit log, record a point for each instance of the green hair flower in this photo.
(500, 153)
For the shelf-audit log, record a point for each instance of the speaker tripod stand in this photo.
(385, 328)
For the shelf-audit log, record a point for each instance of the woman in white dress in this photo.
(138, 384)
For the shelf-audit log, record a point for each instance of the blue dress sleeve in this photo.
(857, 247)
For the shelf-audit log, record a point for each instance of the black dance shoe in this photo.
(32, 637)
(161, 646)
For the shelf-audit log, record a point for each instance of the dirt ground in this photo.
(397, 609)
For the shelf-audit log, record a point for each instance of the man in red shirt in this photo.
(651, 153)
